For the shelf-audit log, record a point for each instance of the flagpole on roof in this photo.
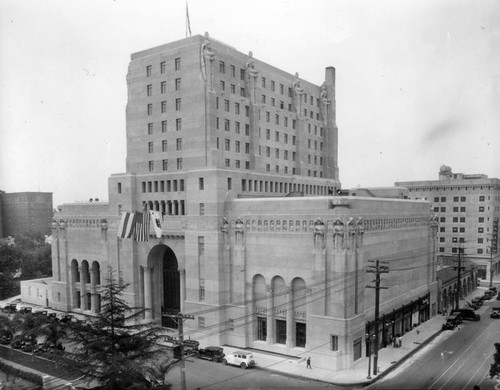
(188, 24)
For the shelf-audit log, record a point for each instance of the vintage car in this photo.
(216, 354)
(240, 358)
(451, 323)
(469, 314)
(495, 312)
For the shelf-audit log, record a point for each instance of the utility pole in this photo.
(380, 267)
(459, 269)
(179, 319)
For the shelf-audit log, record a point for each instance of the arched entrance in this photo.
(164, 285)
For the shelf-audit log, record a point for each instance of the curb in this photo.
(362, 383)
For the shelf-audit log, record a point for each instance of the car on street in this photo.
(215, 354)
(25, 309)
(469, 314)
(239, 358)
(458, 316)
(477, 302)
(450, 324)
(495, 312)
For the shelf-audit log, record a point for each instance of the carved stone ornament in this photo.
(104, 224)
(62, 224)
(54, 224)
(319, 234)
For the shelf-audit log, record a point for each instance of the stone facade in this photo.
(23, 212)
(254, 244)
(468, 210)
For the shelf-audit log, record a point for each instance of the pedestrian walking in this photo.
(309, 363)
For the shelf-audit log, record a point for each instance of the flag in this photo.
(127, 225)
(142, 226)
(188, 25)
(156, 217)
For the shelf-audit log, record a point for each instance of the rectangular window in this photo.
(462, 199)
(237, 146)
(177, 84)
(163, 67)
(232, 88)
(436, 199)
(179, 144)
(150, 128)
(247, 148)
(334, 343)
(233, 70)
(280, 332)
(247, 129)
(237, 127)
(480, 230)
(237, 108)
(261, 328)
(164, 145)
(163, 87)
(150, 147)
(300, 334)
(163, 107)
(227, 125)
(178, 104)
(179, 164)
(151, 166)
(150, 109)
(164, 165)
(268, 134)
(222, 85)
(455, 199)
(443, 199)
(263, 82)
(163, 126)
(227, 163)
(201, 183)
(226, 105)
(202, 208)
(481, 198)
(222, 67)
(480, 219)
(178, 124)
(149, 68)
(481, 209)
(149, 90)
(177, 63)
(229, 183)
(227, 145)
(273, 86)
(462, 209)
(119, 188)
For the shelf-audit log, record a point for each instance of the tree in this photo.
(10, 261)
(35, 255)
(115, 349)
(495, 366)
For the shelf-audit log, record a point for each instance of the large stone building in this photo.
(468, 209)
(23, 212)
(241, 159)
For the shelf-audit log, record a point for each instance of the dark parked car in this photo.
(458, 316)
(10, 308)
(469, 314)
(493, 289)
(5, 339)
(495, 312)
(216, 354)
(451, 323)
(25, 309)
(477, 302)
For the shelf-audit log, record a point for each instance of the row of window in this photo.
(164, 145)
(456, 209)
(163, 107)
(263, 83)
(163, 67)
(169, 207)
(161, 186)
(480, 251)
(164, 165)
(456, 229)
(163, 87)
(442, 199)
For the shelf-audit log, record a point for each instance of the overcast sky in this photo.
(418, 82)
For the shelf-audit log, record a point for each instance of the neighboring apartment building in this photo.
(26, 212)
(241, 159)
(468, 208)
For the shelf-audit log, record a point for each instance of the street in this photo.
(204, 374)
(458, 359)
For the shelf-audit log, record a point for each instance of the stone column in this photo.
(93, 299)
(148, 301)
(289, 319)
(270, 315)
(182, 277)
(83, 295)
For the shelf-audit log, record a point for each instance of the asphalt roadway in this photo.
(456, 360)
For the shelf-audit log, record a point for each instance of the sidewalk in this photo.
(388, 358)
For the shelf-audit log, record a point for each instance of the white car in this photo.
(239, 358)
